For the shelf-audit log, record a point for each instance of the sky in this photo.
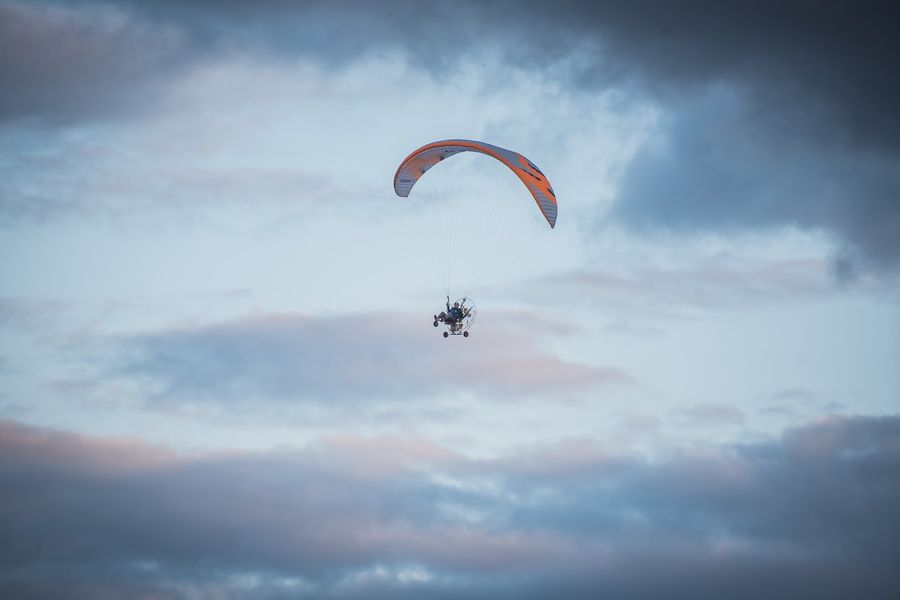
(218, 372)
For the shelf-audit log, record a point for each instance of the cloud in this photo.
(838, 56)
(720, 165)
(811, 514)
(716, 415)
(121, 187)
(777, 114)
(348, 358)
(39, 447)
(673, 286)
(60, 61)
(67, 61)
(645, 296)
(28, 314)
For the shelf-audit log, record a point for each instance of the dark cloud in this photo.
(723, 166)
(813, 514)
(774, 113)
(353, 357)
(837, 55)
(70, 60)
(62, 62)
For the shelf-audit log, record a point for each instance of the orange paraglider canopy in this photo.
(416, 164)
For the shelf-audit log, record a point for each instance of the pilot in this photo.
(456, 313)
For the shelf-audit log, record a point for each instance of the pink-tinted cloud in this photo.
(40, 448)
(813, 513)
(355, 358)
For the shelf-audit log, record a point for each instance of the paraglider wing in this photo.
(415, 165)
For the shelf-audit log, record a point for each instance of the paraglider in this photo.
(416, 164)
(460, 317)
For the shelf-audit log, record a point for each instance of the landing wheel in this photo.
(435, 323)
(446, 334)
(465, 334)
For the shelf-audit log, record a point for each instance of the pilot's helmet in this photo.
(456, 305)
